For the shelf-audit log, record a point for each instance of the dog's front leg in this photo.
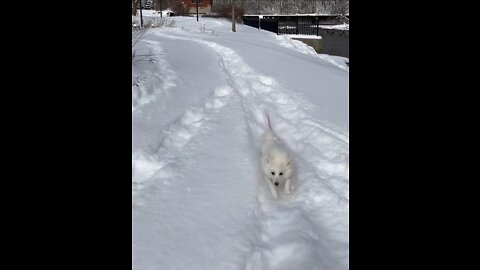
(272, 188)
(287, 186)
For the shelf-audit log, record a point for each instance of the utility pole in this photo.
(233, 17)
(141, 16)
(161, 9)
(197, 9)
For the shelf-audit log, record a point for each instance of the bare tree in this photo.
(284, 6)
(233, 17)
(224, 9)
(178, 7)
(159, 5)
(134, 7)
(339, 7)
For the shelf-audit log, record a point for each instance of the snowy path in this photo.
(211, 197)
(198, 198)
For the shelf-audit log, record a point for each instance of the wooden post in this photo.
(141, 16)
(296, 28)
(233, 17)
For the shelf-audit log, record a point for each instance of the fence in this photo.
(293, 25)
(334, 41)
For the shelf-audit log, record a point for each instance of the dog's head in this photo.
(278, 169)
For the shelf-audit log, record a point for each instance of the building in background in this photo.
(204, 6)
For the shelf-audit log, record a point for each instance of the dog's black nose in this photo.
(276, 183)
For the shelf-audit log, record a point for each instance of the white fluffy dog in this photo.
(276, 162)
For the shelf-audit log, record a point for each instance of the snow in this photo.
(150, 16)
(304, 36)
(153, 13)
(344, 26)
(198, 197)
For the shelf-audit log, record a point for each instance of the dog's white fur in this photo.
(276, 162)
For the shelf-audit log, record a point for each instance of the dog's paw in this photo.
(275, 196)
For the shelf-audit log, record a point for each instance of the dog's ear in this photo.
(289, 163)
(268, 158)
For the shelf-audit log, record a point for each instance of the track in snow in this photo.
(305, 230)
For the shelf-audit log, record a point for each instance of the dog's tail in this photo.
(268, 135)
(268, 122)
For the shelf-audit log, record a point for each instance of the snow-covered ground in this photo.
(199, 92)
(304, 36)
(150, 16)
(344, 26)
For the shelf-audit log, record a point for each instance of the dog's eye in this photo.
(281, 173)
(273, 173)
